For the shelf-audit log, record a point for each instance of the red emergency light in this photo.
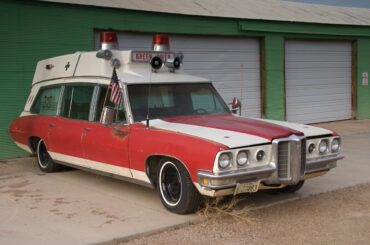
(161, 42)
(108, 40)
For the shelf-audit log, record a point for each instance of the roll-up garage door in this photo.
(232, 64)
(318, 81)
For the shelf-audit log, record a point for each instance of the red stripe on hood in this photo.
(237, 124)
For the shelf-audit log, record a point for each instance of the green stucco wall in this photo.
(31, 31)
(363, 65)
(274, 72)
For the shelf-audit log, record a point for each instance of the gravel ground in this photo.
(340, 217)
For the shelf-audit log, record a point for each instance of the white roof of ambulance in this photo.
(86, 64)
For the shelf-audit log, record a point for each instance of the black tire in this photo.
(291, 188)
(176, 188)
(44, 160)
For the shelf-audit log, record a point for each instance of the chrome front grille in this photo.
(283, 160)
(303, 156)
(291, 159)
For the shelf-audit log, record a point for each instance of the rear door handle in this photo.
(87, 129)
(52, 125)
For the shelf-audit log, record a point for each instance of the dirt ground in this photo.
(339, 217)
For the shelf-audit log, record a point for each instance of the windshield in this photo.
(169, 100)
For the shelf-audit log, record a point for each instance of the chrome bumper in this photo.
(211, 184)
(317, 165)
(230, 179)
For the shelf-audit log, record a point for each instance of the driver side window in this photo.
(104, 101)
(204, 100)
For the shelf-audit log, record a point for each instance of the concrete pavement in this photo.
(77, 207)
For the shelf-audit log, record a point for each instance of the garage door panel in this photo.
(216, 65)
(235, 85)
(224, 60)
(318, 81)
(293, 74)
(320, 93)
(317, 97)
(216, 43)
(321, 66)
(219, 56)
(252, 77)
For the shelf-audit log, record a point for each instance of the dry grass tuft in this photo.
(219, 208)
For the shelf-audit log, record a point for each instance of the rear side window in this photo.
(46, 102)
(76, 102)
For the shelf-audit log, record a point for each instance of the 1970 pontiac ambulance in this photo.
(153, 124)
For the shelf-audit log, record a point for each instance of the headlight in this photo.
(224, 160)
(260, 155)
(323, 146)
(242, 158)
(311, 148)
(335, 145)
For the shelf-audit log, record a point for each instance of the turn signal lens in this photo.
(205, 181)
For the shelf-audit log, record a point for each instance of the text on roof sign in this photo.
(146, 56)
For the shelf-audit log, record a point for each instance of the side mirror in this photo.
(236, 105)
(107, 116)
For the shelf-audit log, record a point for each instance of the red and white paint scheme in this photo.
(172, 132)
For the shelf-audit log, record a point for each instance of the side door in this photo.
(105, 147)
(66, 133)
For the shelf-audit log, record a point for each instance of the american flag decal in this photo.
(116, 95)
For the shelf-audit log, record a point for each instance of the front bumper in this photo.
(220, 184)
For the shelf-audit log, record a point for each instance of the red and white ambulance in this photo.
(135, 115)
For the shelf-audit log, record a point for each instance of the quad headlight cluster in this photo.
(242, 157)
(319, 147)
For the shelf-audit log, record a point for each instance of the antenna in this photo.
(149, 90)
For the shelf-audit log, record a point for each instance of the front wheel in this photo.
(176, 188)
(45, 162)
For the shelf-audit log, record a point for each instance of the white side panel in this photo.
(318, 81)
(59, 67)
(104, 167)
(23, 146)
(231, 63)
(229, 138)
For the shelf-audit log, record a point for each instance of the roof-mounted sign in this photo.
(146, 56)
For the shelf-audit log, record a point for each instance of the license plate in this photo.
(247, 187)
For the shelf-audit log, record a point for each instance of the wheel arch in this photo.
(32, 143)
(151, 165)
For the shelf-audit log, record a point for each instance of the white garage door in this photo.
(318, 81)
(233, 64)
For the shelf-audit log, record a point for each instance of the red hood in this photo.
(238, 124)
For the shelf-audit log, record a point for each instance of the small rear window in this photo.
(46, 102)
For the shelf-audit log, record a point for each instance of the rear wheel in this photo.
(44, 160)
(176, 188)
(292, 188)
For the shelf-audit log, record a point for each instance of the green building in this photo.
(285, 60)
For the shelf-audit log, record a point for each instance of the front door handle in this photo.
(52, 125)
(87, 129)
